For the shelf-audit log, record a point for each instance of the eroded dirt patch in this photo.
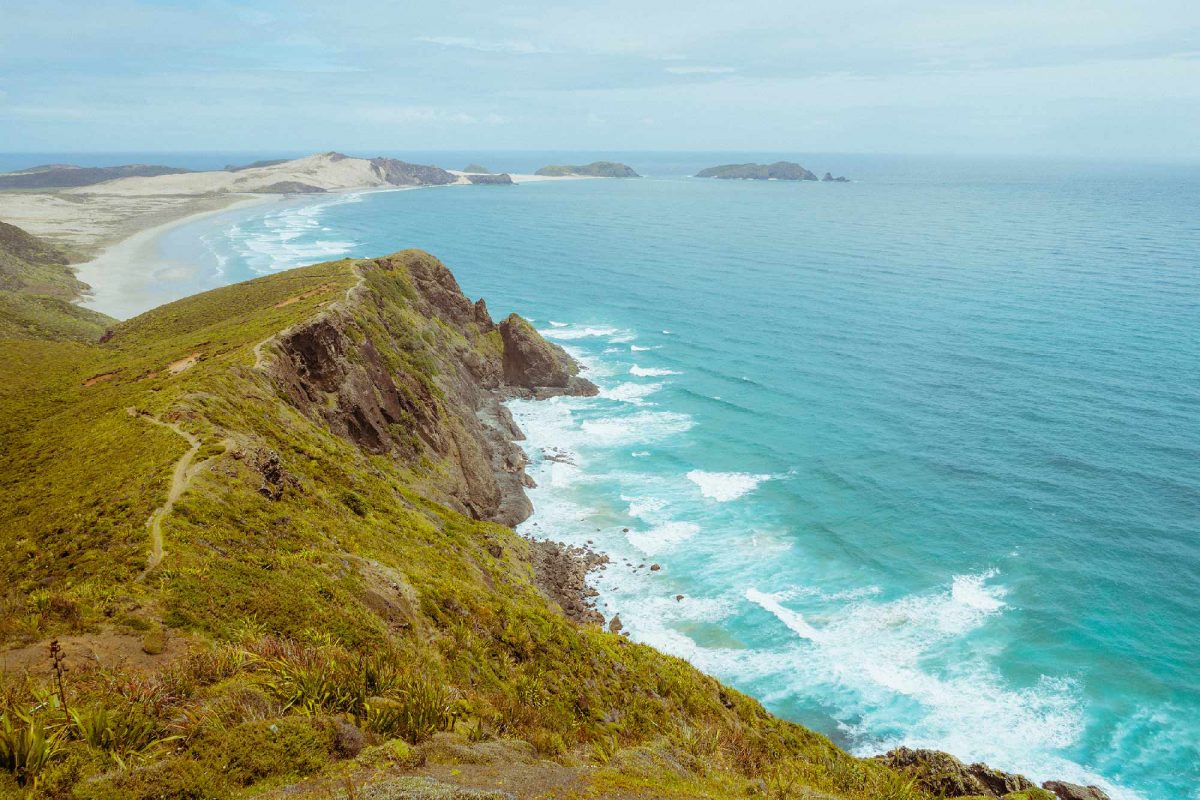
(109, 649)
(176, 367)
(101, 378)
(322, 289)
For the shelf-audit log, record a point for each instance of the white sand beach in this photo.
(114, 229)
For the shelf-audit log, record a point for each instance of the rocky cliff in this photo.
(373, 384)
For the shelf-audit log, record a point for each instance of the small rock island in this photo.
(779, 171)
(476, 169)
(597, 169)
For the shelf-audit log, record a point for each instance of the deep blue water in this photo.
(921, 452)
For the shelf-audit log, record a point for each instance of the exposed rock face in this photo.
(503, 179)
(365, 368)
(1073, 791)
(561, 572)
(830, 179)
(597, 169)
(942, 774)
(532, 363)
(402, 173)
(779, 171)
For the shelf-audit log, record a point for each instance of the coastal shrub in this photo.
(178, 777)
(252, 751)
(414, 712)
(26, 746)
(122, 733)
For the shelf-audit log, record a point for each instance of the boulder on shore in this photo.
(942, 774)
(1073, 791)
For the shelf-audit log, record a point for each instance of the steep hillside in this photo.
(36, 287)
(263, 524)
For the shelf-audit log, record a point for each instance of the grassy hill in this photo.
(36, 290)
(255, 521)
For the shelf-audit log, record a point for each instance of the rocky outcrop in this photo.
(779, 171)
(541, 368)
(561, 573)
(402, 173)
(503, 179)
(597, 169)
(409, 367)
(830, 179)
(942, 774)
(1073, 791)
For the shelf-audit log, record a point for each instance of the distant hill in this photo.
(475, 169)
(255, 164)
(779, 171)
(316, 173)
(62, 176)
(503, 179)
(36, 290)
(597, 169)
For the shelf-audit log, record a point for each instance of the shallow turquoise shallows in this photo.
(921, 452)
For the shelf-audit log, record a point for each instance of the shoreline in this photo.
(122, 277)
(123, 267)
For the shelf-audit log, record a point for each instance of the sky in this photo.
(1089, 78)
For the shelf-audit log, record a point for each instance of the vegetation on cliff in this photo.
(779, 171)
(256, 521)
(597, 169)
(36, 290)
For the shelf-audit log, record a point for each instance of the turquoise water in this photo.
(921, 452)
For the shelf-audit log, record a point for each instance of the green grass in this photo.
(36, 290)
(355, 600)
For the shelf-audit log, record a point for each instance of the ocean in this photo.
(920, 453)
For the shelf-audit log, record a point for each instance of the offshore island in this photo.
(258, 540)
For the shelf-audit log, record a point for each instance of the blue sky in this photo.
(1099, 78)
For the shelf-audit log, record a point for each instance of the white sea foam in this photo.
(910, 664)
(794, 620)
(725, 486)
(570, 332)
(644, 426)
(636, 348)
(554, 324)
(279, 239)
(662, 537)
(632, 393)
(651, 372)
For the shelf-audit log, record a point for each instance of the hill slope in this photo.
(320, 172)
(36, 287)
(259, 521)
(48, 176)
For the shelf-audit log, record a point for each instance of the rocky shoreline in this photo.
(345, 366)
(944, 775)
